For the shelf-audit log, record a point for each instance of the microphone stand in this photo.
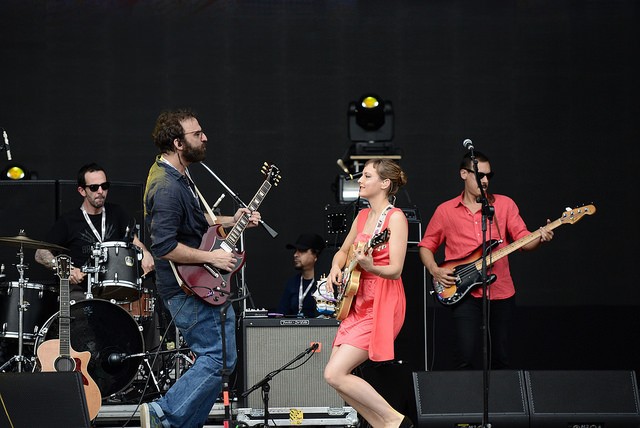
(264, 383)
(487, 216)
(269, 230)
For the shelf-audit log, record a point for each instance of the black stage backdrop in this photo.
(548, 89)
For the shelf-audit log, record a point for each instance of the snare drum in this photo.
(120, 272)
(142, 309)
(40, 302)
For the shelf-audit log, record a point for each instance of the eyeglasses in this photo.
(197, 134)
(95, 187)
(481, 175)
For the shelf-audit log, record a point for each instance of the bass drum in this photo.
(104, 329)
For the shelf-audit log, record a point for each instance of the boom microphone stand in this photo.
(264, 383)
(487, 216)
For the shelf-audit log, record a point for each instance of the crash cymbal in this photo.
(24, 241)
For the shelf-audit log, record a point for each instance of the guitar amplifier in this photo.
(271, 343)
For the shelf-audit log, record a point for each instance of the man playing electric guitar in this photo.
(457, 223)
(176, 221)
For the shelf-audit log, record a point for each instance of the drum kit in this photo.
(109, 327)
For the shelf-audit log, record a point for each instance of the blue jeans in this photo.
(188, 402)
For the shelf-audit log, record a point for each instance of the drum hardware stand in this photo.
(22, 306)
(98, 256)
(264, 383)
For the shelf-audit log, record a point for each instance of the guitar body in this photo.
(208, 282)
(351, 273)
(468, 276)
(51, 361)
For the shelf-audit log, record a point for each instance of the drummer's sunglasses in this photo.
(94, 187)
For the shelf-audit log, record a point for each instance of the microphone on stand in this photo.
(353, 176)
(6, 144)
(468, 144)
(342, 166)
(116, 358)
(218, 201)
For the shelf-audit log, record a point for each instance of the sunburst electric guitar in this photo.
(351, 273)
(57, 355)
(208, 282)
(468, 271)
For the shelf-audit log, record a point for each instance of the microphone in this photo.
(312, 348)
(342, 166)
(467, 144)
(353, 176)
(6, 144)
(218, 201)
(116, 358)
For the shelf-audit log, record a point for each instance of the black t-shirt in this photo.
(72, 231)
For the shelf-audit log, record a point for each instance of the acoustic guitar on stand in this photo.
(351, 273)
(208, 282)
(468, 271)
(57, 355)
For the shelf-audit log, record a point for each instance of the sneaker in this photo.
(148, 417)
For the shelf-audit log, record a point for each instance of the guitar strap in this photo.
(202, 199)
(383, 216)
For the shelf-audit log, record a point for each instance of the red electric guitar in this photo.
(208, 282)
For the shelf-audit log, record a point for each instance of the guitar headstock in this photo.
(63, 266)
(572, 215)
(379, 238)
(272, 173)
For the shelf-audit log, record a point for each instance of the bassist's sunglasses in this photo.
(481, 175)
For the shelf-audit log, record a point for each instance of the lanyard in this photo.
(90, 223)
(302, 295)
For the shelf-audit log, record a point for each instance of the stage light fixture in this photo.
(370, 119)
(15, 171)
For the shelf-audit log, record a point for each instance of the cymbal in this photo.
(26, 242)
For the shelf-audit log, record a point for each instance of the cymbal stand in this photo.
(22, 306)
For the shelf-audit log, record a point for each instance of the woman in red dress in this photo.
(377, 311)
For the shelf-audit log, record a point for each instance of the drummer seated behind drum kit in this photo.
(108, 327)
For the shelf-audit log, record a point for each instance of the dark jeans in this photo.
(467, 316)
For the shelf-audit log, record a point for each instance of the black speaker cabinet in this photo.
(47, 399)
(448, 399)
(594, 399)
(270, 343)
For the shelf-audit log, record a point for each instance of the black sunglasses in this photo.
(95, 187)
(481, 175)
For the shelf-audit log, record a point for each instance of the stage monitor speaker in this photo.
(47, 399)
(270, 343)
(448, 399)
(594, 399)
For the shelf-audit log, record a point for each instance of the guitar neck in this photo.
(516, 245)
(232, 237)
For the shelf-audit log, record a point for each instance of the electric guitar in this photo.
(57, 355)
(208, 282)
(351, 273)
(468, 270)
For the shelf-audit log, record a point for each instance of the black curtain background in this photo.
(547, 89)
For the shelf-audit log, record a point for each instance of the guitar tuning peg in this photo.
(567, 209)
